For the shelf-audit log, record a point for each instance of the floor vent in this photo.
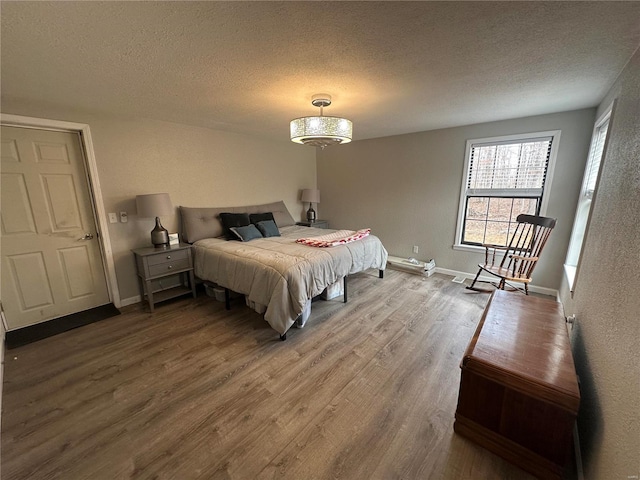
(458, 279)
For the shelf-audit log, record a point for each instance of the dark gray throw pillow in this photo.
(268, 228)
(246, 233)
(260, 217)
(233, 220)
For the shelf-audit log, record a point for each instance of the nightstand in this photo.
(316, 224)
(165, 272)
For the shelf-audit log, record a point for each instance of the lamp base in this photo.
(159, 235)
(311, 214)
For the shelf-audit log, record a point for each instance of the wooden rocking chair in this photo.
(521, 255)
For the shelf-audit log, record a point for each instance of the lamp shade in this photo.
(154, 205)
(310, 195)
(321, 131)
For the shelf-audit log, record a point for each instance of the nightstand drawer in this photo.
(167, 257)
(169, 266)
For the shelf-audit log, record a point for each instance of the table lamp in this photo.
(312, 196)
(155, 205)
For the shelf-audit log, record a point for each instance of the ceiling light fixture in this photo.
(321, 131)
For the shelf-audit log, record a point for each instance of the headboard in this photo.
(199, 223)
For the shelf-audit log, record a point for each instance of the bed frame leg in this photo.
(380, 273)
(283, 337)
(345, 289)
(227, 299)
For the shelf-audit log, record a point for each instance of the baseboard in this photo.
(124, 302)
(532, 288)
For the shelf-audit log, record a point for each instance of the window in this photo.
(504, 177)
(589, 184)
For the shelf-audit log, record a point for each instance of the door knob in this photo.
(87, 236)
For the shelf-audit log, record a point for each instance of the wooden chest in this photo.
(519, 393)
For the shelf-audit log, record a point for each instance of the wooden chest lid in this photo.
(522, 342)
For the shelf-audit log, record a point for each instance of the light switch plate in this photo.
(113, 218)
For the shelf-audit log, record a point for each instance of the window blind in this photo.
(509, 169)
(590, 179)
(595, 158)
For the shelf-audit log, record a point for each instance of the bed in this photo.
(277, 275)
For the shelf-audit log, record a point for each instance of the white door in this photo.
(50, 256)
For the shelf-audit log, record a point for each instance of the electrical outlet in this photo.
(415, 249)
(113, 218)
(123, 217)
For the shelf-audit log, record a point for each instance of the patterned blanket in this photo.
(339, 237)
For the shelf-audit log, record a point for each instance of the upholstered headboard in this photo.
(199, 223)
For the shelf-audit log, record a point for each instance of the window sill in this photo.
(469, 248)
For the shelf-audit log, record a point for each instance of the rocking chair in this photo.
(521, 255)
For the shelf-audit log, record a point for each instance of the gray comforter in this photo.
(280, 273)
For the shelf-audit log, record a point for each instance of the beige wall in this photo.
(606, 302)
(198, 167)
(407, 188)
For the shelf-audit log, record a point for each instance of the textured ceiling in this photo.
(391, 67)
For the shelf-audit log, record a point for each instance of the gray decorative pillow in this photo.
(246, 233)
(268, 228)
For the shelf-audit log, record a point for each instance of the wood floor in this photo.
(367, 390)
